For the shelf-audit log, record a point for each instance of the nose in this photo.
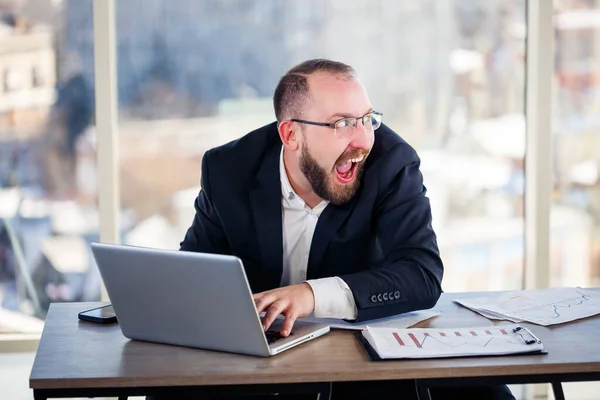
(362, 137)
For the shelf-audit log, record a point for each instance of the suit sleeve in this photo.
(206, 233)
(410, 278)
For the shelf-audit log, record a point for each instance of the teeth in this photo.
(356, 160)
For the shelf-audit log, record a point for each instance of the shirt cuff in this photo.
(333, 298)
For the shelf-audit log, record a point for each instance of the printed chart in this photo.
(425, 343)
(542, 307)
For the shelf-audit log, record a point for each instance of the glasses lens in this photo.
(372, 120)
(345, 126)
(345, 123)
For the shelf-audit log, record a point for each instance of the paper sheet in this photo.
(434, 343)
(543, 307)
(397, 321)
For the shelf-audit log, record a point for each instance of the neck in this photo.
(298, 180)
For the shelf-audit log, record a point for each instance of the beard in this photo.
(323, 182)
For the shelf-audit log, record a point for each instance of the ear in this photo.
(288, 134)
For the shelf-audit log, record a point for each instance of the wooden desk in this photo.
(83, 359)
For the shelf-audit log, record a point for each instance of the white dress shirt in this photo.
(333, 297)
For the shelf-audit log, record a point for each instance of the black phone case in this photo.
(89, 318)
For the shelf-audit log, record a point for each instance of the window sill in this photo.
(19, 342)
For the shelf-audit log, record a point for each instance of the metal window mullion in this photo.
(538, 157)
(105, 78)
(538, 166)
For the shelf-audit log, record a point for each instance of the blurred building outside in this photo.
(185, 87)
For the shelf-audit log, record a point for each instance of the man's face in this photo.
(333, 161)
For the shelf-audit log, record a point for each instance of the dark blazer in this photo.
(380, 243)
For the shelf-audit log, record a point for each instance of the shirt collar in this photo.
(286, 187)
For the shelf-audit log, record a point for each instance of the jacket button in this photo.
(379, 298)
(385, 296)
(396, 295)
(373, 299)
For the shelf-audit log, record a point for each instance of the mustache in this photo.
(352, 153)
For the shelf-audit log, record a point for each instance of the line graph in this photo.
(543, 307)
(420, 339)
(578, 304)
(577, 301)
(430, 342)
(557, 306)
(488, 341)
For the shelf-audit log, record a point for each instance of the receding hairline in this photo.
(294, 86)
(303, 99)
(319, 65)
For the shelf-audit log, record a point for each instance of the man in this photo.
(326, 207)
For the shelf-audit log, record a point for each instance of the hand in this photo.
(293, 302)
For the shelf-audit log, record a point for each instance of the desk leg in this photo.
(558, 391)
(325, 394)
(422, 391)
(39, 396)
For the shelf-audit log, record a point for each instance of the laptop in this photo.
(190, 299)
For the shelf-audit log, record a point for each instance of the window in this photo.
(449, 76)
(576, 197)
(48, 211)
(188, 83)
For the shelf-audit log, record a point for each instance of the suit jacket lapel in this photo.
(266, 207)
(265, 199)
(329, 222)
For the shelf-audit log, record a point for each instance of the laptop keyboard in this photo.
(273, 336)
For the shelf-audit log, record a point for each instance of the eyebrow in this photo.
(344, 115)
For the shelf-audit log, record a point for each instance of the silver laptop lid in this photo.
(183, 298)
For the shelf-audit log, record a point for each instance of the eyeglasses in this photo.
(346, 126)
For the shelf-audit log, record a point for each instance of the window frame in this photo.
(538, 171)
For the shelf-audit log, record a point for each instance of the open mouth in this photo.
(346, 170)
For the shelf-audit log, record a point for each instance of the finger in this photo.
(264, 302)
(288, 324)
(256, 296)
(272, 312)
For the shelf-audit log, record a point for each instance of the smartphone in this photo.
(101, 315)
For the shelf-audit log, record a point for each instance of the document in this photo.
(543, 307)
(389, 343)
(397, 321)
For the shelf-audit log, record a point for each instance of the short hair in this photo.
(292, 91)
